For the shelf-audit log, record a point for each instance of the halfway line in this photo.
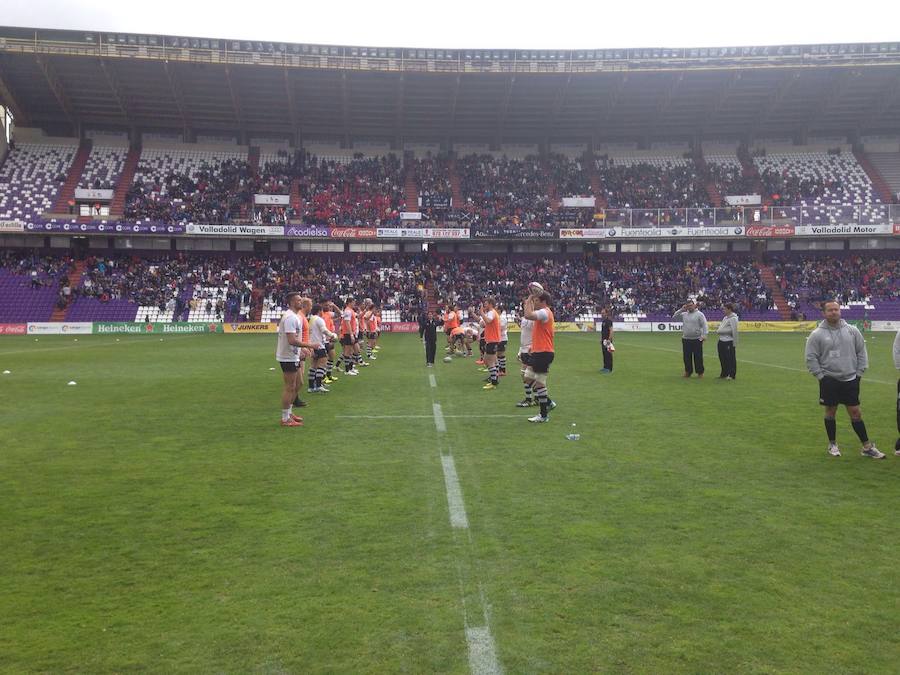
(432, 381)
(482, 654)
(439, 422)
(455, 502)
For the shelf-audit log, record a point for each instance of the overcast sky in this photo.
(551, 24)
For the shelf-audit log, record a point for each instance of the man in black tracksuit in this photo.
(428, 330)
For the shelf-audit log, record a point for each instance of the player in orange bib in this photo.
(537, 309)
(491, 317)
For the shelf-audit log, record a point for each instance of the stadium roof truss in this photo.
(65, 81)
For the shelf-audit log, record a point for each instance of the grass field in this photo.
(155, 517)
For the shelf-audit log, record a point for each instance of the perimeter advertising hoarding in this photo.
(422, 233)
(353, 233)
(137, 328)
(400, 327)
(770, 231)
(237, 230)
(106, 228)
(651, 232)
(743, 326)
(840, 230)
(13, 328)
(511, 233)
(250, 328)
(308, 231)
(12, 226)
(60, 328)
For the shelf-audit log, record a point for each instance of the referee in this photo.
(606, 338)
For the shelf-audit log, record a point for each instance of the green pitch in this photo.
(156, 518)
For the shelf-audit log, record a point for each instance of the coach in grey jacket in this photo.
(836, 356)
(694, 330)
(728, 337)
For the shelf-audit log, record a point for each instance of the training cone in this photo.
(72, 383)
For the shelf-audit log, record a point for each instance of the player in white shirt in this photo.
(504, 338)
(524, 356)
(288, 353)
(319, 335)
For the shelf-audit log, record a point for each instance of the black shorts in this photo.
(289, 366)
(459, 337)
(347, 339)
(320, 353)
(491, 347)
(833, 392)
(481, 343)
(540, 361)
(372, 335)
(501, 346)
(359, 336)
(525, 358)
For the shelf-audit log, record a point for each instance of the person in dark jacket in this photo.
(428, 329)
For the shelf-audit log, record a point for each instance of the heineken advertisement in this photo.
(120, 327)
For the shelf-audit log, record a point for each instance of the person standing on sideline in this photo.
(728, 337)
(606, 340)
(897, 366)
(287, 353)
(694, 330)
(836, 356)
(429, 333)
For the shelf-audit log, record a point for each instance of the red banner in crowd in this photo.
(770, 231)
(400, 327)
(353, 233)
(13, 328)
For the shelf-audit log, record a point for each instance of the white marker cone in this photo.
(72, 383)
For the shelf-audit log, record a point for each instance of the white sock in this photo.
(285, 414)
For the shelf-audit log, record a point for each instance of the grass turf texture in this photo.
(156, 517)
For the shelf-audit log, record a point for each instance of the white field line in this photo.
(414, 417)
(439, 422)
(82, 345)
(482, 654)
(482, 651)
(755, 363)
(458, 518)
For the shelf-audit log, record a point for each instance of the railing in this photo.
(797, 216)
(206, 50)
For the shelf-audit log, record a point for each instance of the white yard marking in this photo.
(755, 363)
(439, 422)
(432, 381)
(455, 502)
(482, 654)
(414, 417)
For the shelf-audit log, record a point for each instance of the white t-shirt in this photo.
(527, 325)
(285, 351)
(318, 331)
(504, 326)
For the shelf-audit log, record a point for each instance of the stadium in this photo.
(167, 203)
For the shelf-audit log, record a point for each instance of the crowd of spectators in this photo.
(638, 284)
(811, 280)
(650, 186)
(504, 192)
(432, 175)
(364, 191)
(216, 194)
(730, 180)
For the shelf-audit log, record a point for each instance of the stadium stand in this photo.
(31, 177)
(103, 168)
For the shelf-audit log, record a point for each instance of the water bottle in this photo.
(573, 435)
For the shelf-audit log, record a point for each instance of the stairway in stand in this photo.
(430, 300)
(67, 191)
(117, 207)
(296, 199)
(256, 305)
(596, 184)
(768, 278)
(712, 190)
(882, 188)
(751, 171)
(75, 279)
(455, 188)
(410, 188)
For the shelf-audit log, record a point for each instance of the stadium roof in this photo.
(64, 81)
